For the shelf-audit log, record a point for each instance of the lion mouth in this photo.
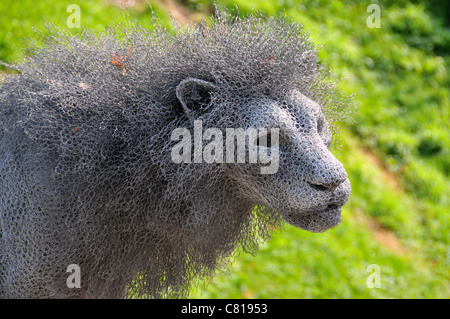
(316, 222)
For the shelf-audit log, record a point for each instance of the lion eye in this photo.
(320, 123)
(264, 140)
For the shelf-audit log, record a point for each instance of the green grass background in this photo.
(396, 151)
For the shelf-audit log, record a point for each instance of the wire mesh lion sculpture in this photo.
(86, 174)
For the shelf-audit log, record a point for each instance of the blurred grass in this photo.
(396, 152)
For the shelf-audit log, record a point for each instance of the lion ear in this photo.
(194, 95)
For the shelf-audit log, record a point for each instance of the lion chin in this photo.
(318, 221)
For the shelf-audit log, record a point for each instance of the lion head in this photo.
(307, 185)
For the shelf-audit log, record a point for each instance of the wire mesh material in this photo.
(86, 174)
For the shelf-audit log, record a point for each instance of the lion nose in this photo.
(325, 173)
(328, 178)
(329, 187)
